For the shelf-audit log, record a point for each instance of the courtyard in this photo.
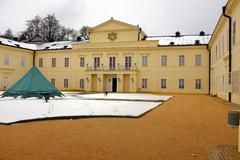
(184, 126)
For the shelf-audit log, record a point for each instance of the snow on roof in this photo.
(17, 44)
(45, 46)
(55, 45)
(181, 40)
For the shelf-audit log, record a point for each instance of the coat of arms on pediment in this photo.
(112, 36)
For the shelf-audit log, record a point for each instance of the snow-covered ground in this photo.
(77, 105)
(126, 96)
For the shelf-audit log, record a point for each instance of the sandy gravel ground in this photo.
(185, 125)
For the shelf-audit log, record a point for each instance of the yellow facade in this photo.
(219, 45)
(110, 46)
(14, 63)
(128, 80)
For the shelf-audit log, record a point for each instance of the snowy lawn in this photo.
(76, 105)
(126, 96)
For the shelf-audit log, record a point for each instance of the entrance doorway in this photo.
(114, 85)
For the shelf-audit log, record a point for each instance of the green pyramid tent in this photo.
(32, 84)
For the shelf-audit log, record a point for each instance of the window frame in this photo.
(112, 63)
(198, 84)
(40, 62)
(164, 60)
(234, 32)
(163, 83)
(144, 83)
(82, 83)
(82, 62)
(54, 61)
(65, 83)
(53, 81)
(181, 84)
(23, 61)
(96, 63)
(181, 60)
(198, 60)
(128, 62)
(66, 62)
(144, 61)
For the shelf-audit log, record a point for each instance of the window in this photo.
(219, 48)
(181, 60)
(112, 63)
(144, 83)
(53, 81)
(144, 61)
(227, 40)
(23, 62)
(128, 63)
(6, 59)
(66, 62)
(164, 61)
(216, 52)
(234, 32)
(82, 84)
(198, 60)
(65, 83)
(223, 82)
(212, 58)
(53, 62)
(181, 83)
(40, 62)
(223, 45)
(235, 82)
(82, 62)
(198, 84)
(96, 63)
(163, 83)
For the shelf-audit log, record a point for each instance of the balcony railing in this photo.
(117, 68)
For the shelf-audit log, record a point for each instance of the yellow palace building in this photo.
(120, 57)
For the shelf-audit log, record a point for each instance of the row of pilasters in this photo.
(97, 82)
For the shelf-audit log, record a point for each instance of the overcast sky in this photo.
(156, 17)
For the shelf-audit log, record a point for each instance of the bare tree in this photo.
(84, 33)
(33, 28)
(51, 29)
(71, 34)
(8, 34)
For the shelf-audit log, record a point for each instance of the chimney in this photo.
(197, 42)
(178, 34)
(202, 33)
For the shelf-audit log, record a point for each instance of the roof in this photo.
(163, 41)
(32, 84)
(35, 47)
(183, 40)
(113, 21)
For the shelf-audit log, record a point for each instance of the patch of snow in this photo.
(55, 45)
(126, 96)
(34, 47)
(75, 105)
(182, 40)
(17, 44)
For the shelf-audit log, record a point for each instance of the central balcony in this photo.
(111, 69)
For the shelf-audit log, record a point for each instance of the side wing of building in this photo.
(224, 82)
(14, 63)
